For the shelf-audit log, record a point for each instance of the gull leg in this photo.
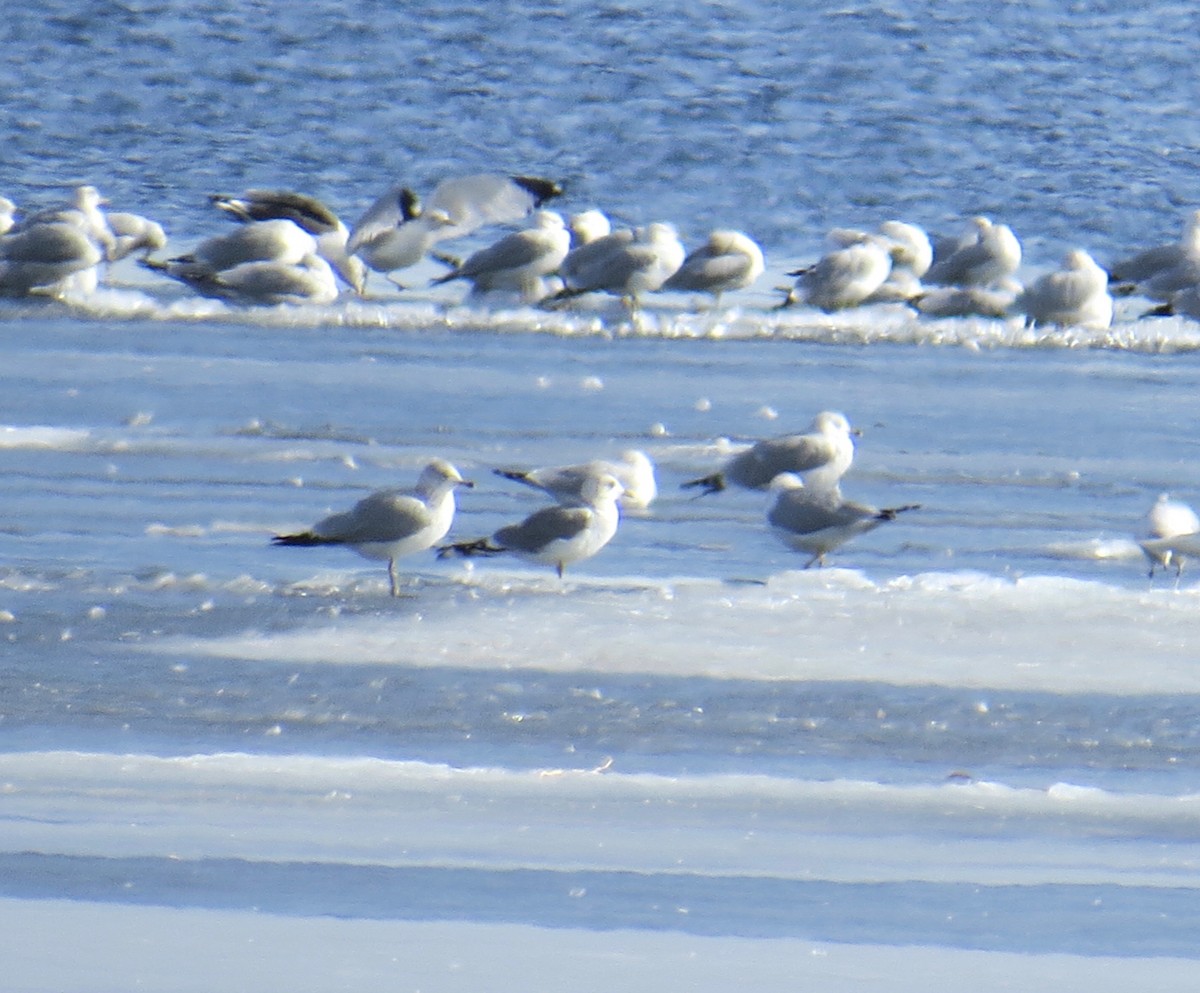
(393, 577)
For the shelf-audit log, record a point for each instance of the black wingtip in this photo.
(305, 540)
(708, 484)
(480, 546)
(540, 189)
(890, 513)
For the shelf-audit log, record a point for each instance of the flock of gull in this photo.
(290, 248)
(802, 474)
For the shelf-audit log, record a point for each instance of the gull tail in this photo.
(710, 484)
(889, 514)
(480, 546)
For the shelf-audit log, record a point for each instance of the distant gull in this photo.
(1074, 296)
(1166, 529)
(84, 212)
(633, 470)
(911, 249)
(52, 258)
(310, 215)
(398, 231)
(968, 301)
(818, 519)
(134, 233)
(628, 265)
(259, 262)
(587, 226)
(987, 254)
(390, 524)
(728, 261)
(585, 262)
(258, 241)
(519, 261)
(308, 281)
(843, 278)
(558, 535)
(1153, 264)
(827, 450)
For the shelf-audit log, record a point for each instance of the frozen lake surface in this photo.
(966, 754)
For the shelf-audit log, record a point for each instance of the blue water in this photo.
(149, 452)
(1072, 125)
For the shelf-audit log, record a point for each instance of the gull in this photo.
(588, 226)
(845, 277)
(629, 264)
(259, 241)
(1076, 295)
(968, 301)
(585, 263)
(53, 257)
(824, 452)
(520, 261)
(134, 233)
(269, 283)
(911, 248)
(633, 470)
(1166, 523)
(397, 231)
(279, 242)
(729, 260)
(310, 215)
(84, 212)
(557, 535)
(818, 519)
(986, 255)
(1153, 263)
(390, 524)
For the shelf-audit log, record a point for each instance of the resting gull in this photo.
(729, 260)
(826, 450)
(633, 470)
(1074, 296)
(310, 215)
(986, 255)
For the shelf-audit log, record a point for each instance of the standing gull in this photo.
(1167, 529)
(633, 470)
(818, 519)
(826, 449)
(627, 264)
(518, 262)
(389, 524)
(557, 535)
